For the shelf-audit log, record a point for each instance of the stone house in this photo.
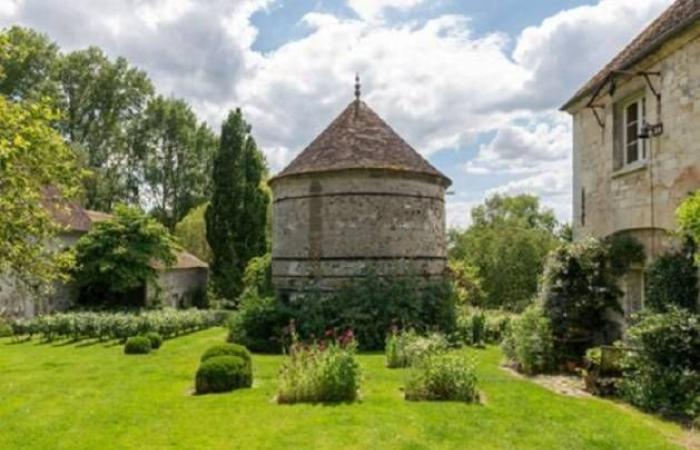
(636, 139)
(176, 285)
(357, 198)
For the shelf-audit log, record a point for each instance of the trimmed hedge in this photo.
(137, 345)
(222, 374)
(155, 339)
(227, 349)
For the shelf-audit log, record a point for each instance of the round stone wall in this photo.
(329, 227)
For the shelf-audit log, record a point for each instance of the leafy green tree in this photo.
(237, 214)
(177, 156)
(191, 231)
(103, 102)
(28, 62)
(579, 288)
(33, 160)
(688, 216)
(118, 255)
(507, 243)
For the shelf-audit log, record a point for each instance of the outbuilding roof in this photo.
(359, 139)
(678, 16)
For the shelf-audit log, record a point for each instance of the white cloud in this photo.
(374, 9)
(569, 47)
(516, 148)
(436, 82)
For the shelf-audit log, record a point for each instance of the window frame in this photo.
(642, 153)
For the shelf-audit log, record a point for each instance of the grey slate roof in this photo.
(359, 139)
(678, 16)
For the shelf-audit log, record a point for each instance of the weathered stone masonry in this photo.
(358, 196)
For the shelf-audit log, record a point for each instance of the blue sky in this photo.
(474, 86)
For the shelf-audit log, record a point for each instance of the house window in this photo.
(634, 116)
(583, 207)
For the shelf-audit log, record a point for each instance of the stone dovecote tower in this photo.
(358, 195)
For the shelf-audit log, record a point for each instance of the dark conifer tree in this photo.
(237, 213)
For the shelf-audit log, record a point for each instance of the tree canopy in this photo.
(237, 214)
(507, 245)
(38, 172)
(119, 255)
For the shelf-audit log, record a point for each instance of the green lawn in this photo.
(94, 397)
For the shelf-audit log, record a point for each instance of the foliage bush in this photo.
(5, 328)
(672, 279)
(155, 339)
(114, 325)
(528, 344)
(662, 370)
(467, 284)
(116, 256)
(482, 326)
(408, 348)
(137, 345)
(370, 307)
(374, 305)
(688, 216)
(227, 349)
(259, 323)
(507, 244)
(579, 288)
(320, 372)
(442, 376)
(222, 374)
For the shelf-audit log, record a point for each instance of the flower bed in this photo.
(320, 372)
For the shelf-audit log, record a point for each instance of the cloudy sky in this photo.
(473, 85)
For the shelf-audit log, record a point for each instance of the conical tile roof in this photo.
(359, 139)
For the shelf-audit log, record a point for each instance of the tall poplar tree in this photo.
(237, 213)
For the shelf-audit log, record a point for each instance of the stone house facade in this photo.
(176, 285)
(636, 139)
(358, 198)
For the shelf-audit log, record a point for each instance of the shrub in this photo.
(579, 288)
(6, 329)
(227, 349)
(603, 370)
(370, 307)
(155, 339)
(222, 374)
(77, 325)
(528, 343)
(688, 216)
(408, 348)
(662, 371)
(672, 279)
(258, 323)
(375, 304)
(482, 326)
(325, 372)
(442, 377)
(137, 345)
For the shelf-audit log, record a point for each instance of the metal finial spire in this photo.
(357, 86)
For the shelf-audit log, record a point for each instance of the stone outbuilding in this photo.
(636, 130)
(358, 198)
(177, 285)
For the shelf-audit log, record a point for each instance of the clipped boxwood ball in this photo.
(137, 345)
(222, 374)
(227, 349)
(155, 338)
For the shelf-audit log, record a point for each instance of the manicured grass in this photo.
(93, 396)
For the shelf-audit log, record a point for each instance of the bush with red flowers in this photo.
(321, 371)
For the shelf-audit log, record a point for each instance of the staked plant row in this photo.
(116, 325)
